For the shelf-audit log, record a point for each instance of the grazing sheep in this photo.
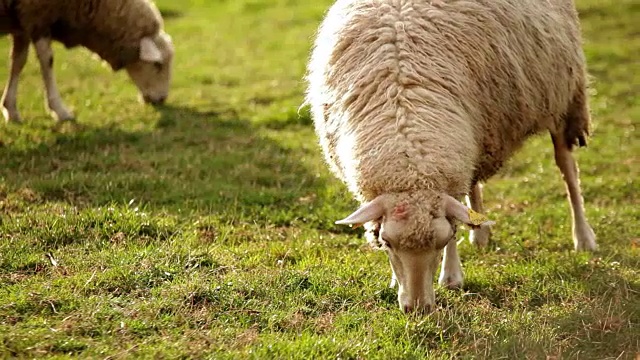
(125, 33)
(416, 103)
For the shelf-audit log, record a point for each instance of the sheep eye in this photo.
(158, 66)
(385, 243)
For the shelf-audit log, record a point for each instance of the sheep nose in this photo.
(154, 101)
(419, 309)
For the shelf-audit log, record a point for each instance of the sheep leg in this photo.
(54, 101)
(583, 236)
(451, 274)
(19, 54)
(479, 237)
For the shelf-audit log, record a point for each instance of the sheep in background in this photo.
(125, 33)
(416, 103)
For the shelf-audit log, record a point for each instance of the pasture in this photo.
(204, 228)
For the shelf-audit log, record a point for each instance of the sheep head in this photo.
(152, 72)
(413, 228)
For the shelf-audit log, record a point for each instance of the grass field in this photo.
(205, 228)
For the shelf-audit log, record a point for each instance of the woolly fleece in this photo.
(435, 95)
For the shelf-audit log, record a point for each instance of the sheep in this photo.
(416, 104)
(126, 34)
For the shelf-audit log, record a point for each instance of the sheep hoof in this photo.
(11, 116)
(451, 282)
(60, 112)
(584, 239)
(63, 117)
(480, 237)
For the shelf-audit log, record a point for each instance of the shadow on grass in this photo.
(599, 319)
(191, 162)
(169, 14)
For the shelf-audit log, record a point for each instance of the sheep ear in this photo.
(370, 211)
(149, 50)
(455, 209)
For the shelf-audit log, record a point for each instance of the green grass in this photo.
(205, 229)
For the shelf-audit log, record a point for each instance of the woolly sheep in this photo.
(125, 33)
(416, 103)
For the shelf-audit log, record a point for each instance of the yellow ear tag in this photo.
(477, 219)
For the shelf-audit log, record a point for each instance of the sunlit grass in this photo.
(205, 228)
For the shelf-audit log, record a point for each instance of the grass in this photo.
(205, 228)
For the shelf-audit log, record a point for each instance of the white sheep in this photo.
(416, 103)
(125, 33)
